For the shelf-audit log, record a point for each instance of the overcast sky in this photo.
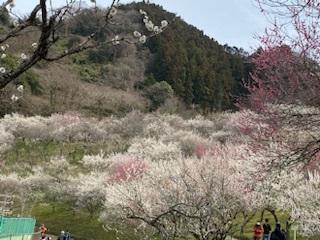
(234, 22)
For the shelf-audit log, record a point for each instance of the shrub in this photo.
(158, 93)
(31, 80)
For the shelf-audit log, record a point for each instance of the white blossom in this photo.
(142, 12)
(2, 70)
(3, 55)
(23, 56)
(20, 88)
(34, 45)
(143, 39)
(14, 98)
(15, 23)
(145, 20)
(154, 150)
(149, 25)
(136, 34)
(156, 29)
(115, 40)
(164, 23)
(3, 48)
(113, 12)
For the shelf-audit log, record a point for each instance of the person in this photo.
(67, 235)
(43, 230)
(62, 236)
(277, 234)
(257, 231)
(266, 229)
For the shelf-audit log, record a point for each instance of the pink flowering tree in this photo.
(285, 82)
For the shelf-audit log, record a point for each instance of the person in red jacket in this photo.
(43, 230)
(257, 231)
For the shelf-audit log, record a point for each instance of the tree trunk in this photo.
(261, 216)
(288, 227)
(273, 212)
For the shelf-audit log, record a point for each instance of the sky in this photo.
(235, 22)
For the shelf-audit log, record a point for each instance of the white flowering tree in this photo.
(48, 21)
(291, 191)
(53, 182)
(90, 192)
(302, 202)
(297, 194)
(199, 198)
(171, 179)
(16, 192)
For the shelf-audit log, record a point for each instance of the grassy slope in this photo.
(85, 228)
(79, 224)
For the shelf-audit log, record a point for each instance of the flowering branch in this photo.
(49, 37)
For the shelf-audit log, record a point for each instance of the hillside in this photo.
(59, 167)
(117, 79)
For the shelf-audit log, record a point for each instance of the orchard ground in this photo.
(83, 227)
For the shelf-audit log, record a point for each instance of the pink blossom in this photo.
(127, 168)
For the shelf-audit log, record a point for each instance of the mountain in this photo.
(199, 69)
(181, 64)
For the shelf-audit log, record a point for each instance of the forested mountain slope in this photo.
(181, 64)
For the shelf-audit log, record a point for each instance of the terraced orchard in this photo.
(149, 174)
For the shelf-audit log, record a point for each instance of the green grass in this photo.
(83, 227)
(282, 219)
(79, 224)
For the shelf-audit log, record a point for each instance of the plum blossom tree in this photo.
(53, 181)
(285, 188)
(304, 204)
(297, 194)
(6, 139)
(90, 192)
(200, 198)
(17, 191)
(155, 186)
(285, 82)
(154, 150)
